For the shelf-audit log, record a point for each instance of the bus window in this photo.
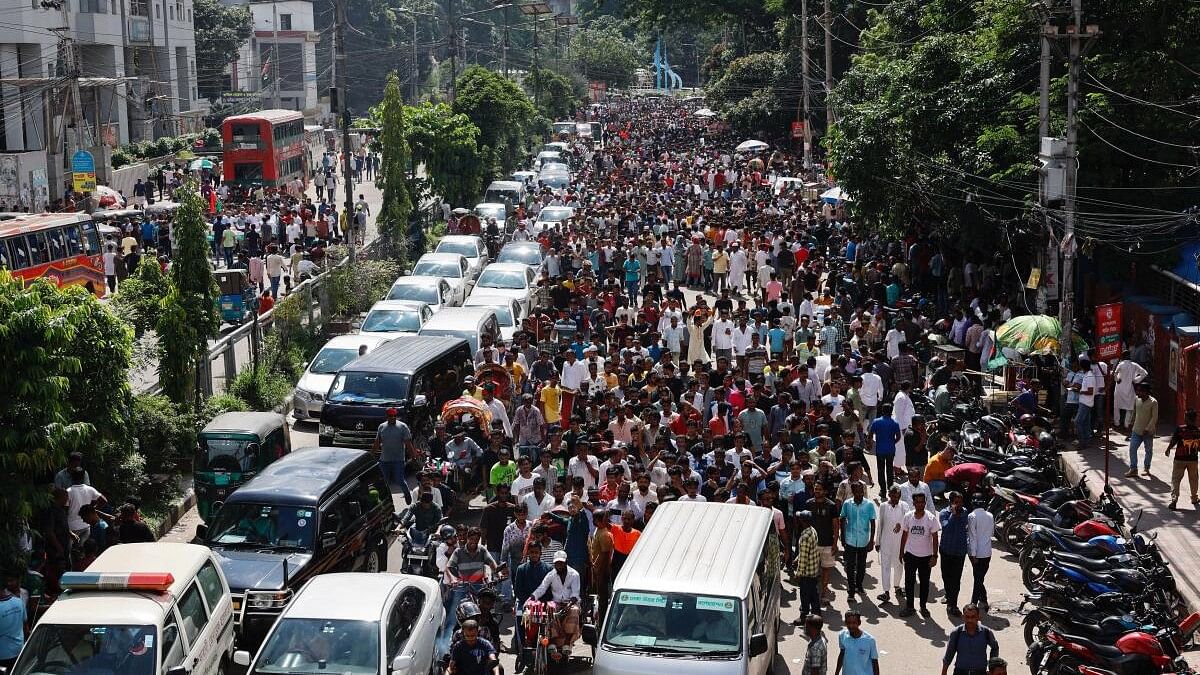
(37, 248)
(58, 245)
(91, 239)
(18, 253)
(245, 132)
(4, 264)
(74, 246)
(246, 173)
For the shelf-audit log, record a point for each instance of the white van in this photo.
(508, 192)
(699, 594)
(469, 323)
(139, 609)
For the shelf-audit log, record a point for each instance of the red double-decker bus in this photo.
(62, 247)
(263, 148)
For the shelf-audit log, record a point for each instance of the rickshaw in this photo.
(237, 295)
(499, 375)
(457, 413)
(231, 450)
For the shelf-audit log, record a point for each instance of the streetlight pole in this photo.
(339, 39)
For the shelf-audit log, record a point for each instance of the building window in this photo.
(189, 14)
(285, 22)
(158, 11)
(171, 11)
(92, 6)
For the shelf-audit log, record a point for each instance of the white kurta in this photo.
(890, 533)
(1126, 374)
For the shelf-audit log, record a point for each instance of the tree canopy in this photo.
(507, 120)
(446, 143)
(601, 53)
(221, 30)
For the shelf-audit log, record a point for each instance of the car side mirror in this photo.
(420, 401)
(252, 450)
(758, 644)
(202, 532)
(241, 657)
(589, 634)
(402, 663)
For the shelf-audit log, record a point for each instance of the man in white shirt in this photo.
(538, 501)
(78, 495)
(562, 583)
(574, 372)
(1087, 400)
(499, 412)
(981, 525)
(914, 485)
(722, 337)
(617, 458)
(871, 392)
(584, 465)
(891, 515)
(903, 412)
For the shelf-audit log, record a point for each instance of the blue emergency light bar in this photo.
(117, 581)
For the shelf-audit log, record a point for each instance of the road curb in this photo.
(176, 512)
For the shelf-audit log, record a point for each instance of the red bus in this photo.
(62, 247)
(264, 148)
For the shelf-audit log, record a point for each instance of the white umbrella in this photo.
(751, 146)
(704, 112)
(834, 195)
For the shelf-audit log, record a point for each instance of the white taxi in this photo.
(139, 609)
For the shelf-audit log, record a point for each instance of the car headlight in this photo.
(268, 599)
(328, 430)
(302, 395)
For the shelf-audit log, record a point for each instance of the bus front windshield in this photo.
(675, 623)
(97, 649)
(263, 526)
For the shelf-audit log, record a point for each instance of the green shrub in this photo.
(140, 296)
(354, 287)
(261, 389)
(166, 436)
(218, 404)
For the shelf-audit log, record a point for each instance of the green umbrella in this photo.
(198, 164)
(1035, 334)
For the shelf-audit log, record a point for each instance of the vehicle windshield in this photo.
(91, 648)
(263, 525)
(392, 321)
(504, 315)
(369, 388)
(526, 255)
(224, 454)
(556, 181)
(496, 212)
(564, 127)
(429, 268)
(320, 646)
(463, 248)
(675, 622)
(331, 359)
(509, 279)
(427, 294)
(554, 214)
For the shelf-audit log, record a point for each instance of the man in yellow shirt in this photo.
(550, 400)
(935, 470)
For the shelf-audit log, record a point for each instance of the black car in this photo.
(415, 374)
(315, 510)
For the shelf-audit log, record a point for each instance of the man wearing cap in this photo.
(562, 584)
(392, 439)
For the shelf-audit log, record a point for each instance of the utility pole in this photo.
(537, 68)
(416, 69)
(828, 66)
(504, 46)
(453, 48)
(807, 89)
(1077, 32)
(339, 39)
(275, 53)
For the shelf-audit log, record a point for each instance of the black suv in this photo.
(315, 510)
(415, 374)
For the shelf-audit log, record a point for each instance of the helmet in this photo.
(467, 610)
(1028, 420)
(447, 531)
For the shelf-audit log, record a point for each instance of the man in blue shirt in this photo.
(859, 655)
(633, 271)
(858, 537)
(883, 434)
(953, 549)
(12, 620)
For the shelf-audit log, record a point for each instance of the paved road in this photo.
(907, 647)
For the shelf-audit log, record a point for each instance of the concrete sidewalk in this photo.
(1178, 532)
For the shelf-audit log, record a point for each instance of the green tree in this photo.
(557, 93)
(42, 334)
(446, 143)
(139, 297)
(748, 94)
(189, 311)
(397, 204)
(601, 53)
(507, 120)
(221, 30)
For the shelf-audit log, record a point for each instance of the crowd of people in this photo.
(700, 335)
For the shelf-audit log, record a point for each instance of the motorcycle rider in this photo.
(421, 519)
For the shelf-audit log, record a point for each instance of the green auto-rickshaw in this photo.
(232, 449)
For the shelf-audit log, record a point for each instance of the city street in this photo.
(912, 646)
